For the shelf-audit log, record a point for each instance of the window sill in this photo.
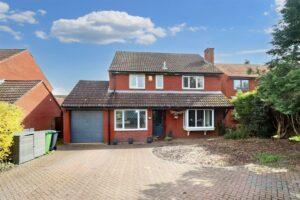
(199, 128)
(192, 88)
(130, 130)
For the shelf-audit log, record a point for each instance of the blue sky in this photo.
(73, 40)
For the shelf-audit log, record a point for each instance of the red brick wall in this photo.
(138, 136)
(40, 108)
(228, 90)
(22, 67)
(171, 82)
(227, 85)
(176, 126)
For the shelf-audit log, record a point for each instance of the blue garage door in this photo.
(86, 126)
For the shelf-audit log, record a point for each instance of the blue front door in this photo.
(86, 126)
(158, 123)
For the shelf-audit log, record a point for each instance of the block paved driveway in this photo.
(122, 172)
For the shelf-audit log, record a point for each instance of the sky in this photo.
(75, 40)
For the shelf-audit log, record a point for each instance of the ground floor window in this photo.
(129, 119)
(199, 119)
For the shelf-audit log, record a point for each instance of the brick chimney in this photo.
(209, 55)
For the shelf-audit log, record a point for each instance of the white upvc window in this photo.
(239, 84)
(193, 82)
(199, 120)
(159, 81)
(130, 119)
(137, 81)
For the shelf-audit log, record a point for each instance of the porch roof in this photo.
(95, 94)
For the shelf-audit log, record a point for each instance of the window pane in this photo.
(200, 119)
(191, 118)
(192, 82)
(130, 119)
(119, 119)
(142, 119)
(245, 84)
(132, 81)
(200, 81)
(237, 84)
(159, 81)
(185, 82)
(140, 81)
(208, 118)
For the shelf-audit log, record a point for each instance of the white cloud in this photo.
(105, 27)
(41, 34)
(23, 17)
(60, 91)
(42, 12)
(244, 52)
(183, 26)
(279, 4)
(177, 28)
(268, 30)
(7, 29)
(253, 51)
(4, 7)
(197, 28)
(266, 13)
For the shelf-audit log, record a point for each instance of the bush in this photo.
(236, 134)
(10, 122)
(251, 112)
(266, 158)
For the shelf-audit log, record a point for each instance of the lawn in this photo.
(224, 152)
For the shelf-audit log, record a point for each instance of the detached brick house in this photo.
(148, 94)
(23, 83)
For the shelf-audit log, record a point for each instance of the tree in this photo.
(280, 87)
(10, 122)
(286, 35)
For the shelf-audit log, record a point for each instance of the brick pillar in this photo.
(67, 126)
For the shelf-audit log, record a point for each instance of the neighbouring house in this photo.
(238, 77)
(23, 83)
(148, 94)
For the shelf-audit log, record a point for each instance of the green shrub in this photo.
(10, 122)
(168, 138)
(266, 158)
(251, 112)
(236, 134)
(295, 138)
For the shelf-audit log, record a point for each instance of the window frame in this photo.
(198, 128)
(241, 84)
(162, 83)
(123, 120)
(135, 86)
(189, 83)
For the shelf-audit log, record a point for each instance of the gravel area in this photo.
(221, 152)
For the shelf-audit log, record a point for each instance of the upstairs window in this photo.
(241, 85)
(159, 81)
(137, 81)
(193, 82)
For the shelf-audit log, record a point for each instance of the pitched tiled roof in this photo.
(6, 53)
(241, 70)
(95, 94)
(154, 62)
(12, 90)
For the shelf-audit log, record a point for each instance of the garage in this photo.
(86, 126)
